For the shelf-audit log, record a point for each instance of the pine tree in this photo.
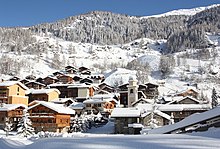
(214, 98)
(25, 128)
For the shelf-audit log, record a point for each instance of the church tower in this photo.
(132, 90)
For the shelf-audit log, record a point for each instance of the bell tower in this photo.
(132, 90)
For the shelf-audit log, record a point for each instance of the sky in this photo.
(31, 12)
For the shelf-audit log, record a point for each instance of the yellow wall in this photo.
(18, 100)
(53, 95)
(16, 90)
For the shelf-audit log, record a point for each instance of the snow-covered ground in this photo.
(201, 140)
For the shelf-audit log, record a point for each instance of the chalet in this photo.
(86, 72)
(30, 77)
(74, 90)
(13, 92)
(164, 114)
(179, 111)
(184, 100)
(106, 87)
(65, 92)
(81, 90)
(50, 80)
(11, 111)
(197, 122)
(76, 78)
(65, 101)
(124, 117)
(142, 101)
(65, 79)
(81, 69)
(97, 78)
(47, 116)
(24, 81)
(14, 79)
(103, 103)
(58, 73)
(40, 80)
(70, 67)
(152, 91)
(35, 85)
(189, 92)
(43, 94)
(132, 120)
(86, 80)
(71, 71)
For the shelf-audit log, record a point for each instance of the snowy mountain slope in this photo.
(188, 12)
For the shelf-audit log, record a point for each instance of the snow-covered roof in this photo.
(35, 83)
(77, 106)
(59, 84)
(8, 107)
(93, 101)
(135, 125)
(126, 112)
(62, 100)
(174, 107)
(143, 99)
(43, 91)
(178, 99)
(188, 121)
(162, 114)
(59, 108)
(83, 85)
(10, 83)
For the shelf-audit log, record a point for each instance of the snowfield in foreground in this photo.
(200, 140)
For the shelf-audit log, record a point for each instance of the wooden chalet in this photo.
(12, 112)
(97, 78)
(40, 80)
(35, 85)
(65, 79)
(43, 94)
(86, 80)
(151, 91)
(124, 117)
(81, 69)
(13, 92)
(14, 79)
(50, 80)
(65, 92)
(47, 116)
(65, 101)
(70, 67)
(106, 87)
(30, 77)
(58, 73)
(74, 90)
(71, 71)
(196, 122)
(24, 81)
(189, 92)
(77, 78)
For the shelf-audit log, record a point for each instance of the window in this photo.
(3, 92)
(131, 91)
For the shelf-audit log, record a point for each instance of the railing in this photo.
(42, 115)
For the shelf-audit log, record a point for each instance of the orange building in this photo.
(13, 92)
